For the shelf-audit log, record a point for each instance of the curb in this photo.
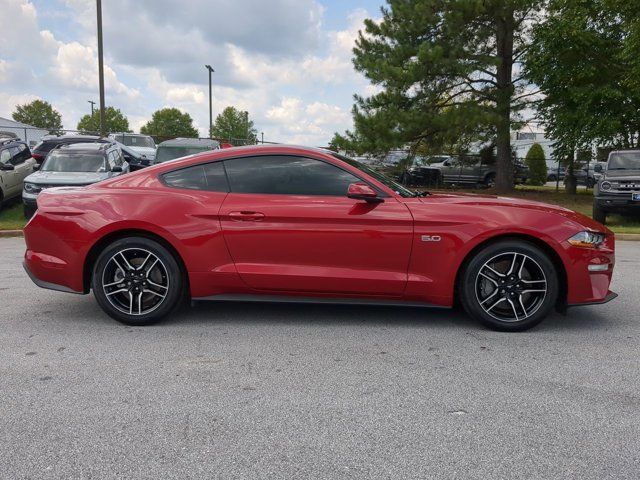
(628, 237)
(10, 233)
(625, 237)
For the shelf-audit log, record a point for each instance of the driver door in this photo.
(289, 226)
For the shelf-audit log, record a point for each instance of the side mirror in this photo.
(598, 168)
(36, 167)
(117, 169)
(362, 191)
(6, 166)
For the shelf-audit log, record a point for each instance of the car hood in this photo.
(66, 178)
(146, 151)
(626, 174)
(519, 203)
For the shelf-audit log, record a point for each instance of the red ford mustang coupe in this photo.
(298, 224)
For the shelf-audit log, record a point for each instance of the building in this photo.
(521, 143)
(27, 133)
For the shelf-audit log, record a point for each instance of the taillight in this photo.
(37, 157)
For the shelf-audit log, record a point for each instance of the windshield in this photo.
(136, 141)
(169, 153)
(624, 161)
(64, 162)
(395, 186)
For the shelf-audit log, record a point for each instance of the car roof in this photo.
(190, 142)
(75, 139)
(86, 147)
(5, 142)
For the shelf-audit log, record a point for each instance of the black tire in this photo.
(28, 212)
(590, 183)
(551, 178)
(537, 265)
(599, 215)
(167, 278)
(490, 180)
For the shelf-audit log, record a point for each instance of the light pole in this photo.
(92, 104)
(211, 70)
(100, 67)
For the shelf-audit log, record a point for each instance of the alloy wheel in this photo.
(511, 287)
(135, 281)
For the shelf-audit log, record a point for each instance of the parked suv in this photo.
(50, 142)
(73, 165)
(16, 164)
(182, 147)
(618, 189)
(142, 145)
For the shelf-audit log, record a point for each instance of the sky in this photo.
(287, 62)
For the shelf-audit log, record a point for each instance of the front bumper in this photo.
(610, 296)
(618, 202)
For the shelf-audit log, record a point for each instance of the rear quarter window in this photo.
(210, 177)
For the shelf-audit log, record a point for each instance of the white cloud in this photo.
(274, 59)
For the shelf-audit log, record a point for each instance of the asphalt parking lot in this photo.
(301, 391)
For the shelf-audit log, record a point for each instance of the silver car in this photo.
(74, 165)
(16, 164)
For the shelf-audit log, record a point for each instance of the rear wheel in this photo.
(510, 285)
(599, 215)
(490, 180)
(137, 281)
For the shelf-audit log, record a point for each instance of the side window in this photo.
(216, 177)
(210, 177)
(117, 157)
(5, 156)
(287, 175)
(16, 158)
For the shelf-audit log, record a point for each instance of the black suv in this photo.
(48, 143)
(618, 189)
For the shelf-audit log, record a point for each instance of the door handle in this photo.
(246, 216)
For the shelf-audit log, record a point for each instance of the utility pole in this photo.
(100, 68)
(92, 104)
(211, 70)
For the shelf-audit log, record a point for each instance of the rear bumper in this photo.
(51, 261)
(45, 284)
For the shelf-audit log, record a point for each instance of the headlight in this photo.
(587, 239)
(605, 186)
(32, 188)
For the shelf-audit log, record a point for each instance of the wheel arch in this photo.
(541, 244)
(111, 237)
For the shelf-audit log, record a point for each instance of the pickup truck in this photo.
(463, 170)
(618, 188)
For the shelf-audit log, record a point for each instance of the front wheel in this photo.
(510, 285)
(137, 281)
(599, 215)
(490, 180)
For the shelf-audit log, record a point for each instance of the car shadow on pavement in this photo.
(83, 309)
(586, 318)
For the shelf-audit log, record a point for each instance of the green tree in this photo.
(447, 70)
(537, 164)
(39, 114)
(235, 126)
(580, 59)
(115, 121)
(170, 123)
